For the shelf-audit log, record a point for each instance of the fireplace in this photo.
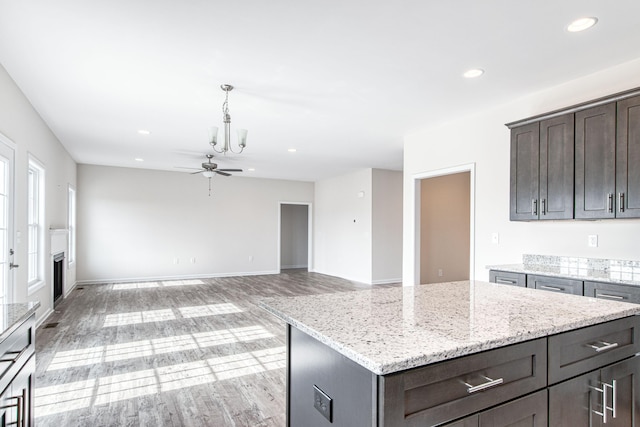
(58, 276)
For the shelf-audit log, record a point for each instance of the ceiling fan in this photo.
(209, 169)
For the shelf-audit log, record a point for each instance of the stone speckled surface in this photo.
(12, 316)
(393, 329)
(589, 269)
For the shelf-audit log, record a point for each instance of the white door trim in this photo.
(11, 235)
(414, 223)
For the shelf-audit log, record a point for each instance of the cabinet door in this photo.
(628, 158)
(556, 167)
(595, 150)
(624, 397)
(22, 388)
(555, 284)
(525, 173)
(612, 291)
(526, 411)
(508, 278)
(572, 402)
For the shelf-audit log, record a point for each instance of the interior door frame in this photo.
(309, 206)
(414, 223)
(11, 234)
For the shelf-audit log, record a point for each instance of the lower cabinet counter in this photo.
(584, 377)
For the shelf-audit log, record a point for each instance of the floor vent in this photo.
(79, 288)
(51, 325)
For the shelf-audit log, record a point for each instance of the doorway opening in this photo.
(294, 239)
(444, 225)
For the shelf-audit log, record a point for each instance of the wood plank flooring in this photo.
(170, 353)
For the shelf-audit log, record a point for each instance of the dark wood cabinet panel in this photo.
(555, 284)
(623, 381)
(525, 172)
(572, 402)
(526, 411)
(556, 167)
(595, 151)
(628, 158)
(612, 291)
(508, 278)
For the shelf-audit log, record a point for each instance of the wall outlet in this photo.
(592, 240)
(440, 273)
(250, 258)
(176, 260)
(193, 260)
(495, 238)
(323, 403)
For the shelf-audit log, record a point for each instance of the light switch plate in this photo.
(323, 403)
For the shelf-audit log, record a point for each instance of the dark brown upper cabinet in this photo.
(596, 162)
(628, 159)
(542, 170)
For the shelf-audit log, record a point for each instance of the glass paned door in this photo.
(6, 221)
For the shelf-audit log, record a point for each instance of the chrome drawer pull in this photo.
(505, 281)
(490, 383)
(609, 296)
(551, 288)
(606, 408)
(605, 347)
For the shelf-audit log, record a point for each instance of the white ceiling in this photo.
(340, 80)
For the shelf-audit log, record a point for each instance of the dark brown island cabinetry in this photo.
(583, 377)
(582, 162)
(542, 169)
(17, 375)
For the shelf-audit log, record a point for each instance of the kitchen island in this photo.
(464, 352)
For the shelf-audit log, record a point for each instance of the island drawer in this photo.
(15, 350)
(582, 350)
(612, 291)
(432, 394)
(508, 278)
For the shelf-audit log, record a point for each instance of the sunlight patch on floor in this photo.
(104, 390)
(209, 310)
(145, 348)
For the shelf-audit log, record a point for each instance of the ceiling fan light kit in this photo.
(226, 118)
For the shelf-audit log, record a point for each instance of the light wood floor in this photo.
(173, 353)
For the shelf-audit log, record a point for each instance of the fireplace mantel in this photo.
(58, 240)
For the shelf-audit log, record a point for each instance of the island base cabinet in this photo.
(580, 401)
(529, 411)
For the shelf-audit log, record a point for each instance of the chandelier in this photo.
(226, 118)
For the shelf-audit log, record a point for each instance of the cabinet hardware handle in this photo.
(552, 288)
(610, 296)
(605, 347)
(620, 202)
(534, 206)
(12, 266)
(490, 383)
(610, 202)
(14, 358)
(505, 281)
(606, 408)
(544, 206)
(18, 406)
(614, 392)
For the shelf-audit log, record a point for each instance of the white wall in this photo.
(20, 123)
(294, 236)
(358, 226)
(386, 226)
(134, 223)
(484, 140)
(342, 226)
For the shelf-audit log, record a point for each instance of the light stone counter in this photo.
(12, 316)
(393, 329)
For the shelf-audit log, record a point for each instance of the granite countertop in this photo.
(12, 316)
(393, 329)
(623, 275)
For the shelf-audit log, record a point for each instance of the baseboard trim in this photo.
(386, 281)
(45, 316)
(179, 277)
(288, 267)
(70, 289)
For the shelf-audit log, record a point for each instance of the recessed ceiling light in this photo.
(138, 159)
(292, 150)
(144, 132)
(251, 169)
(581, 24)
(474, 72)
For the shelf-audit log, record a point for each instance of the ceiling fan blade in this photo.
(199, 171)
(230, 170)
(222, 173)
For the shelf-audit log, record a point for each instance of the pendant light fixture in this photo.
(226, 118)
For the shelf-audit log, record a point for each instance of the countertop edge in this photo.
(391, 367)
(28, 311)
